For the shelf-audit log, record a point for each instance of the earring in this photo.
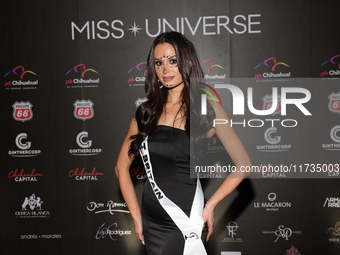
(161, 84)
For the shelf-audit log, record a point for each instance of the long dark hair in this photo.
(149, 112)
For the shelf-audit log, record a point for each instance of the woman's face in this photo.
(165, 61)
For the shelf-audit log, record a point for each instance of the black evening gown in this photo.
(169, 150)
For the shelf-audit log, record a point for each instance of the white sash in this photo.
(191, 228)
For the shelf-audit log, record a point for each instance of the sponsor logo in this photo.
(293, 251)
(232, 228)
(215, 145)
(271, 69)
(108, 207)
(335, 233)
(268, 104)
(40, 236)
(24, 145)
(83, 109)
(78, 77)
(139, 101)
(213, 72)
(21, 79)
(22, 111)
(137, 75)
(138, 172)
(32, 208)
(22, 176)
(274, 142)
(336, 139)
(332, 66)
(332, 202)
(111, 231)
(334, 102)
(203, 25)
(85, 146)
(283, 233)
(272, 204)
(82, 175)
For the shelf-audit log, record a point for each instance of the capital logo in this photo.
(272, 63)
(21, 142)
(22, 111)
(270, 138)
(335, 60)
(82, 141)
(268, 103)
(81, 69)
(232, 227)
(33, 202)
(334, 102)
(83, 109)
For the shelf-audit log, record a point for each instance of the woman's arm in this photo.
(236, 150)
(125, 183)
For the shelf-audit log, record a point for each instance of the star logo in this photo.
(135, 29)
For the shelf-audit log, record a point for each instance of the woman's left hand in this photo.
(208, 218)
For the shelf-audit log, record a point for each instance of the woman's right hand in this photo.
(139, 230)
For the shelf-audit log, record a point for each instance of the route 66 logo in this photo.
(22, 111)
(83, 109)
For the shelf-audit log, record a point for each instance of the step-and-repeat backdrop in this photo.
(72, 74)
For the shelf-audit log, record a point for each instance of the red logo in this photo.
(334, 102)
(22, 111)
(268, 102)
(83, 109)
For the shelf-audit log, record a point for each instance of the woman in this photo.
(173, 213)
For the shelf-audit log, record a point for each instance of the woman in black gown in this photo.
(173, 212)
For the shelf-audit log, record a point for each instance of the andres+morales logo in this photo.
(81, 82)
(270, 66)
(20, 78)
(332, 65)
(137, 75)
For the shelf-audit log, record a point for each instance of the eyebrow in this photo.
(168, 57)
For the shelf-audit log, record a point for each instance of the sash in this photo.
(191, 228)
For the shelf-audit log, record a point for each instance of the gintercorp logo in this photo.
(334, 63)
(24, 146)
(84, 143)
(22, 111)
(32, 208)
(83, 109)
(334, 102)
(272, 64)
(207, 66)
(274, 142)
(335, 137)
(81, 70)
(139, 75)
(21, 73)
